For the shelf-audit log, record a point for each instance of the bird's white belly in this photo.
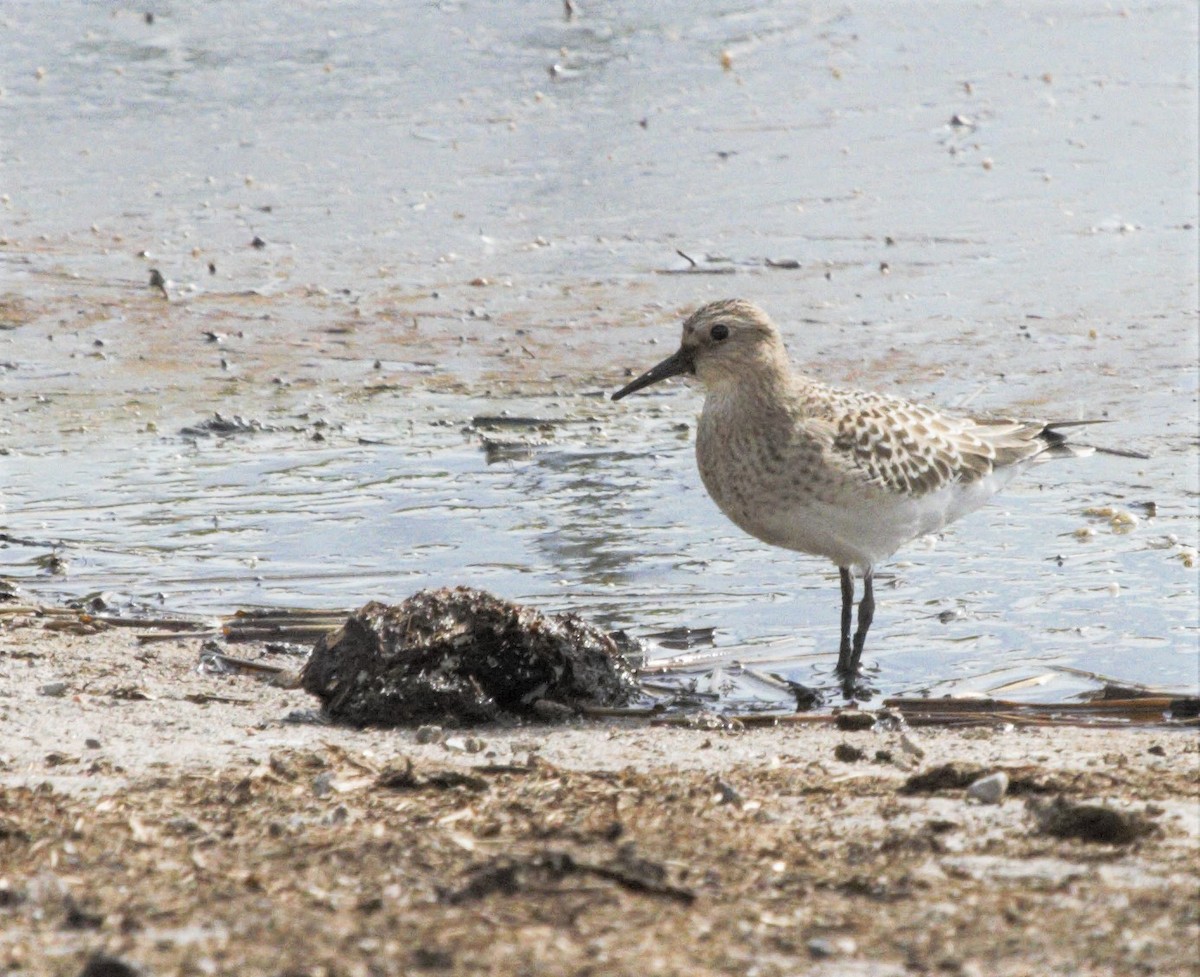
(850, 525)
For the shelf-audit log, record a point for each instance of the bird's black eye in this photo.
(719, 331)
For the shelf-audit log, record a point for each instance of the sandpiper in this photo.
(845, 474)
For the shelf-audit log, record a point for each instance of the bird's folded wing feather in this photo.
(912, 449)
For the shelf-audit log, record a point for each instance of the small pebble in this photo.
(430, 734)
(820, 949)
(847, 753)
(464, 744)
(990, 789)
(54, 689)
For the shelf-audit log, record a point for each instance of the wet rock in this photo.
(462, 656)
(1090, 822)
(990, 789)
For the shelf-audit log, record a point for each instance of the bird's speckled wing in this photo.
(913, 449)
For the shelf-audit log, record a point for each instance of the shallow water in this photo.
(1041, 258)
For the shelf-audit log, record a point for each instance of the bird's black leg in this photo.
(866, 611)
(844, 650)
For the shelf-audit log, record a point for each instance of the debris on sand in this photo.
(854, 721)
(462, 656)
(961, 776)
(509, 876)
(102, 965)
(1089, 822)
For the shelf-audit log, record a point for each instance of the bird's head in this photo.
(723, 342)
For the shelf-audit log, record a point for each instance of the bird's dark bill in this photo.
(672, 366)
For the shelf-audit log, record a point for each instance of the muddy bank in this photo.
(186, 822)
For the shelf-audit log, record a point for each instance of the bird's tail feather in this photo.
(1059, 447)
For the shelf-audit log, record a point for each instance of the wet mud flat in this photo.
(160, 819)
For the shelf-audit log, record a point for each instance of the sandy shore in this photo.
(181, 822)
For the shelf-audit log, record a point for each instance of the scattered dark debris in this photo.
(848, 754)
(222, 426)
(281, 625)
(632, 649)
(94, 602)
(258, 243)
(854, 721)
(726, 793)
(1089, 822)
(498, 451)
(1185, 708)
(51, 564)
(1157, 750)
(700, 720)
(432, 958)
(102, 965)
(807, 699)
(129, 693)
(682, 638)
(157, 281)
(786, 264)
(877, 888)
(509, 876)
(10, 831)
(722, 266)
(504, 420)
(946, 776)
(76, 917)
(1142, 706)
(461, 656)
(960, 776)
(408, 779)
(212, 661)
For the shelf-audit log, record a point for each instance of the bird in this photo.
(849, 475)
